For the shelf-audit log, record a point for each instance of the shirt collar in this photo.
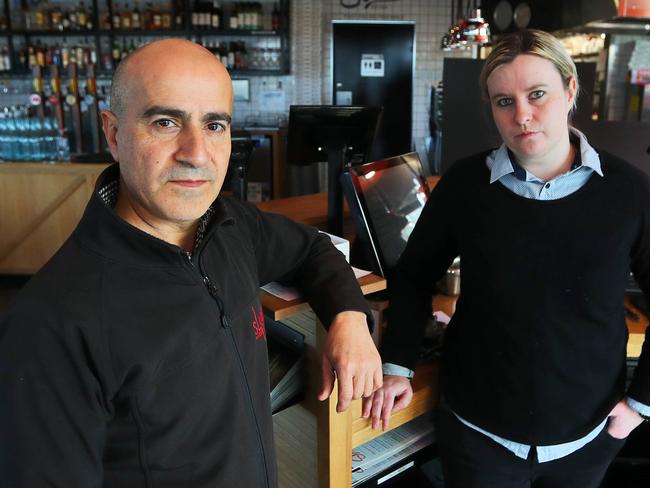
(500, 163)
(108, 186)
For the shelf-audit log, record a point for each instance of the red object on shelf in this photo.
(634, 8)
(640, 76)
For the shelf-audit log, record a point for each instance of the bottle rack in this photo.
(103, 36)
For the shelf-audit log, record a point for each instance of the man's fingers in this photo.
(345, 390)
(378, 378)
(369, 386)
(359, 387)
(327, 379)
(366, 406)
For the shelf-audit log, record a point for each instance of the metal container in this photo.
(450, 284)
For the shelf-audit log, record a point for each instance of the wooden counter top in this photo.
(312, 209)
(280, 309)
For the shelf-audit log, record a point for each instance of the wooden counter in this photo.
(312, 209)
(40, 205)
(314, 443)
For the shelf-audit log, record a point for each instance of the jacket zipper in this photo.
(214, 293)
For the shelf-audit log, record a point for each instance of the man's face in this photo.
(173, 141)
(530, 106)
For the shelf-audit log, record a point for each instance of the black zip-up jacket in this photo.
(126, 363)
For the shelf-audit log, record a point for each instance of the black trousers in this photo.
(473, 460)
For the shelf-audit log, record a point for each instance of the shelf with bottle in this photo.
(46, 54)
(53, 17)
(237, 16)
(259, 26)
(158, 17)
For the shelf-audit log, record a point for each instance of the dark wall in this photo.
(467, 125)
(551, 15)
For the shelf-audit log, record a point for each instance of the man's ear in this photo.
(109, 126)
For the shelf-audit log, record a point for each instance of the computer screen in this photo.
(332, 133)
(386, 198)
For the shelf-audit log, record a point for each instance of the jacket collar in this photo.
(103, 232)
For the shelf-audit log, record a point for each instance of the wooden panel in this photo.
(295, 442)
(40, 205)
(280, 309)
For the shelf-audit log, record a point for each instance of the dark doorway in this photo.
(373, 66)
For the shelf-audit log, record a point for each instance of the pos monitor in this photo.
(386, 198)
(332, 133)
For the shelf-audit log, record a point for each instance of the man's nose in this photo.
(192, 146)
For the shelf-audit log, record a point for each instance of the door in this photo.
(373, 66)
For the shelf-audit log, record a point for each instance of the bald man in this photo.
(137, 356)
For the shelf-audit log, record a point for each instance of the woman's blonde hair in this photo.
(537, 43)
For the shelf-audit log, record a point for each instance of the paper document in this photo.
(360, 273)
(374, 456)
(289, 293)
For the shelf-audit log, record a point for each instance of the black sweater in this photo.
(536, 349)
(125, 364)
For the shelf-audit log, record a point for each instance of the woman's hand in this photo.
(395, 394)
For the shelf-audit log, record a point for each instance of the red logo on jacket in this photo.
(258, 324)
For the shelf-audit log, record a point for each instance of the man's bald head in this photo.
(160, 56)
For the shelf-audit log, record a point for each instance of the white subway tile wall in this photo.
(311, 43)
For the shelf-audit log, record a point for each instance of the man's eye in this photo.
(216, 127)
(504, 102)
(537, 94)
(164, 123)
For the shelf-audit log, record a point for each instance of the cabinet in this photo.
(314, 443)
(100, 31)
(40, 205)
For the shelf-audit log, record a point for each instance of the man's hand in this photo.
(623, 420)
(350, 352)
(394, 395)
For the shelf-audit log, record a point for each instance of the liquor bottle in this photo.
(125, 22)
(179, 15)
(116, 52)
(90, 18)
(231, 55)
(156, 20)
(256, 21)
(147, 17)
(242, 14)
(215, 19)
(39, 16)
(166, 17)
(117, 18)
(5, 59)
(234, 17)
(276, 22)
(72, 17)
(65, 20)
(135, 16)
(56, 18)
(65, 56)
(205, 15)
(82, 15)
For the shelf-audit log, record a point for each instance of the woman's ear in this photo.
(572, 92)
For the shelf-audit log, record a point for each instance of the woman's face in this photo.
(530, 107)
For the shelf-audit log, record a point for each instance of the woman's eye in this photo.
(504, 102)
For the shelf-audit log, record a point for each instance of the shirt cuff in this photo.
(391, 369)
(638, 407)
